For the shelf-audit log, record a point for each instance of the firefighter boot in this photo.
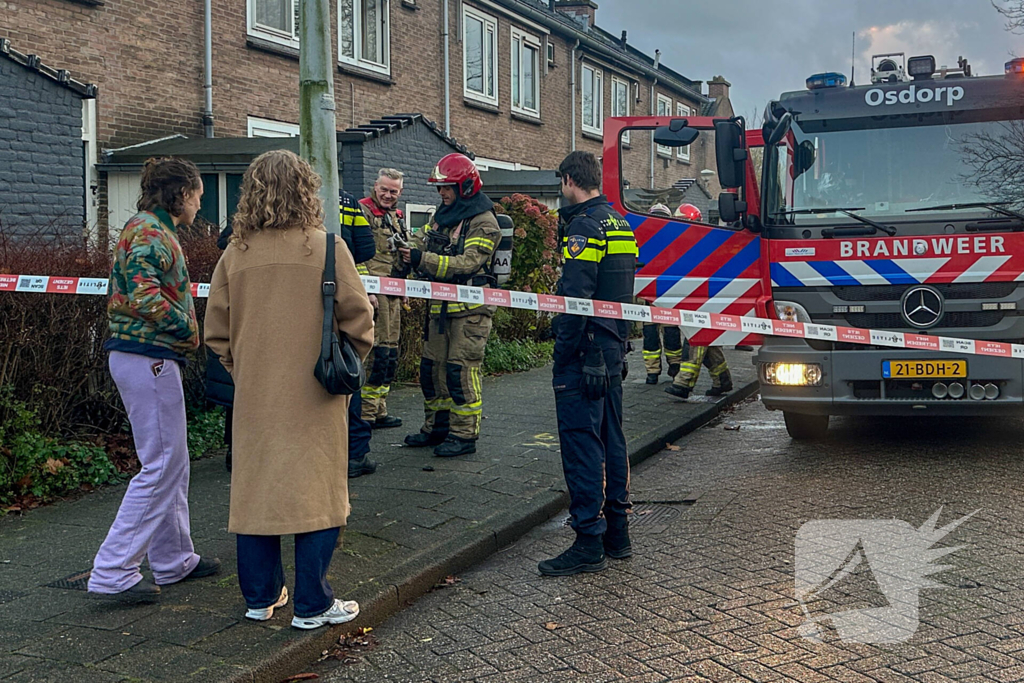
(454, 446)
(673, 370)
(677, 390)
(652, 378)
(421, 439)
(357, 468)
(616, 539)
(387, 422)
(585, 555)
(724, 388)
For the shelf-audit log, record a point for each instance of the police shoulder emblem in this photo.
(575, 244)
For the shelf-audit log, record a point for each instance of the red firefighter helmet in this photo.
(460, 171)
(689, 212)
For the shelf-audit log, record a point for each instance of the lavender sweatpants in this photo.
(153, 517)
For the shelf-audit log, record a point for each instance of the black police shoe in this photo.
(725, 388)
(386, 422)
(454, 446)
(585, 555)
(673, 370)
(652, 378)
(681, 392)
(421, 439)
(616, 539)
(357, 468)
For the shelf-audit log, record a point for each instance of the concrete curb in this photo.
(419, 574)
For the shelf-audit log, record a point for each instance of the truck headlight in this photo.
(791, 374)
(791, 312)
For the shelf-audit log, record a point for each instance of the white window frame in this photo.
(683, 153)
(534, 42)
(667, 101)
(598, 77)
(489, 24)
(426, 209)
(485, 164)
(270, 33)
(266, 128)
(616, 83)
(357, 34)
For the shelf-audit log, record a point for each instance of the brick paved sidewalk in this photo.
(416, 520)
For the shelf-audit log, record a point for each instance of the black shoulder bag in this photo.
(339, 368)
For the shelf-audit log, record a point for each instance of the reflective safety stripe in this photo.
(469, 409)
(362, 269)
(438, 404)
(481, 242)
(719, 369)
(675, 356)
(588, 254)
(442, 266)
(453, 307)
(623, 247)
(620, 233)
(374, 392)
(652, 354)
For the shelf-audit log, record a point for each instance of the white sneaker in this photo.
(339, 613)
(267, 612)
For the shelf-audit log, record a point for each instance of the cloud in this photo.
(914, 37)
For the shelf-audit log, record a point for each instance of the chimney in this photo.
(582, 11)
(718, 88)
(623, 40)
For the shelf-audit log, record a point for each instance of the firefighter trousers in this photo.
(654, 334)
(382, 362)
(593, 446)
(711, 357)
(450, 375)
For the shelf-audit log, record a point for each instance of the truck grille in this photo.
(895, 321)
(949, 291)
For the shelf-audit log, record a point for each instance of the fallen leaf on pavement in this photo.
(301, 677)
(673, 447)
(732, 427)
(351, 646)
(448, 581)
(643, 512)
(552, 625)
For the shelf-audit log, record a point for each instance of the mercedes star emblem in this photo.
(922, 306)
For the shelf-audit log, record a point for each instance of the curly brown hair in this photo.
(280, 191)
(165, 180)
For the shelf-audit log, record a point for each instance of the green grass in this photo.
(503, 357)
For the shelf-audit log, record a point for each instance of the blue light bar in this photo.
(1015, 66)
(826, 80)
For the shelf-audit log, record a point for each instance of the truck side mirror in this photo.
(730, 152)
(730, 208)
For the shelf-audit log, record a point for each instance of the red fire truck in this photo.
(892, 205)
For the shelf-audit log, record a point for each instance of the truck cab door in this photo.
(690, 258)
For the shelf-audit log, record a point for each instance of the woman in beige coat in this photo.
(290, 451)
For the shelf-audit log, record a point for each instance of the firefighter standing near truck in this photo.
(711, 357)
(388, 225)
(458, 247)
(599, 255)
(658, 336)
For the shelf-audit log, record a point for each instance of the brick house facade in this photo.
(530, 80)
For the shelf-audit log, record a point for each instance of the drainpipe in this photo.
(445, 31)
(657, 62)
(572, 93)
(208, 68)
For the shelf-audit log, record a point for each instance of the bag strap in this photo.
(328, 288)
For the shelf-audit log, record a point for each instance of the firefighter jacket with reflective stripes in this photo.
(385, 224)
(466, 261)
(599, 255)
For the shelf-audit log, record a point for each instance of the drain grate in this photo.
(79, 581)
(652, 519)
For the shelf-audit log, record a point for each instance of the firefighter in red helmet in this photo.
(689, 212)
(458, 247)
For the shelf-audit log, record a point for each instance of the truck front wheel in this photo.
(806, 427)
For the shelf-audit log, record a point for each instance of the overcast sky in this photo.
(766, 47)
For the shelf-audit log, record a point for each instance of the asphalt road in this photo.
(710, 593)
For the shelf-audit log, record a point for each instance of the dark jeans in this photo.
(261, 576)
(594, 457)
(359, 430)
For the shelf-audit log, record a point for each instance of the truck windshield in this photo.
(890, 171)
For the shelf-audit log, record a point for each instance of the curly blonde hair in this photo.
(280, 191)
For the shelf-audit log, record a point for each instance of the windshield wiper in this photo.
(996, 207)
(846, 211)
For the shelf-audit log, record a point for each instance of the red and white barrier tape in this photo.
(418, 289)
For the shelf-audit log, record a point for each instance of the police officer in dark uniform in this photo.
(599, 253)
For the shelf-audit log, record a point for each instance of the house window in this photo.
(265, 128)
(275, 20)
(664, 109)
(480, 56)
(525, 73)
(551, 53)
(363, 36)
(682, 153)
(620, 102)
(593, 99)
(418, 216)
